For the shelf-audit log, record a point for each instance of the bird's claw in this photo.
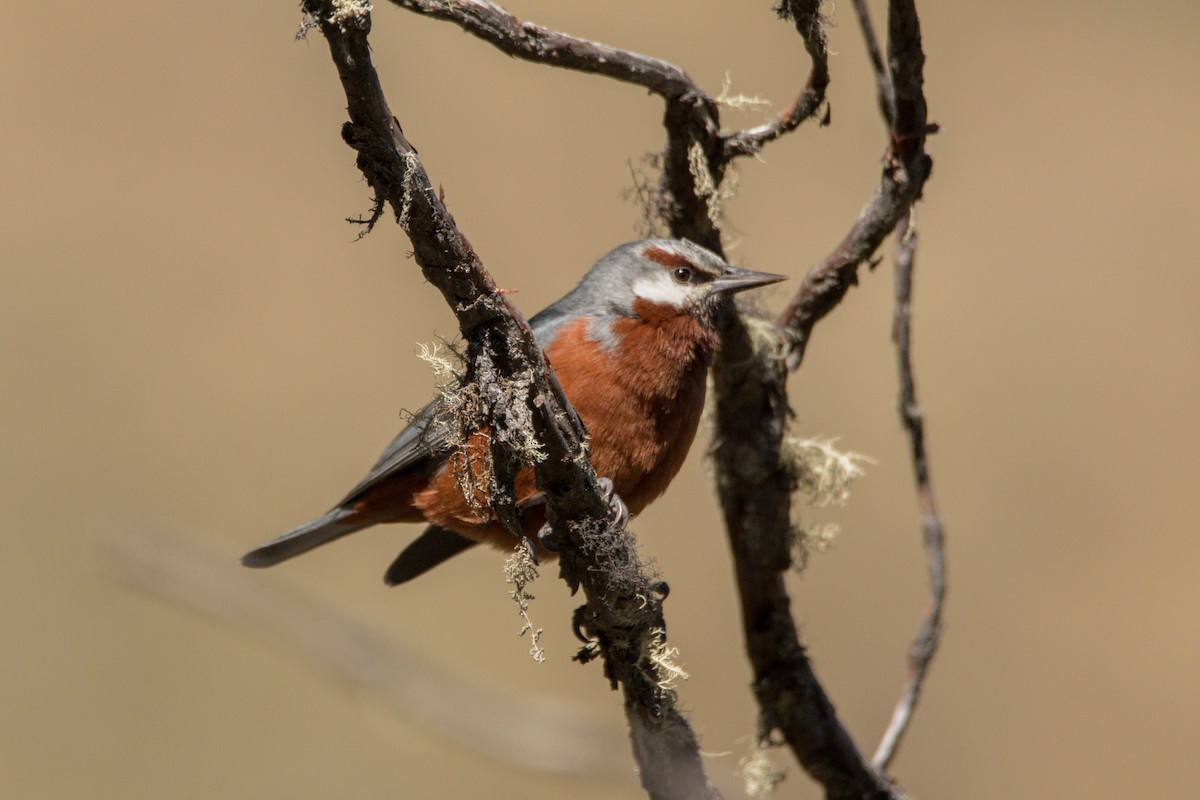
(547, 539)
(618, 511)
(591, 644)
(578, 623)
(532, 548)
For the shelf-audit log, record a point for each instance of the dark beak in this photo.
(735, 279)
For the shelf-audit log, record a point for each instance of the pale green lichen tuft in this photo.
(759, 775)
(464, 408)
(662, 660)
(350, 14)
(411, 163)
(520, 572)
(823, 474)
(738, 102)
(768, 340)
(647, 193)
(518, 428)
(445, 361)
(706, 187)
(808, 538)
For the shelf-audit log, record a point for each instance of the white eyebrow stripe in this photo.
(660, 287)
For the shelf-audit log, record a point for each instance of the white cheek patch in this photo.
(659, 287)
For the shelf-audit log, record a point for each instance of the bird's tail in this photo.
(424, 553)
(315, 533)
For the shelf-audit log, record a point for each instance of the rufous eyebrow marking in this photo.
(665, 257)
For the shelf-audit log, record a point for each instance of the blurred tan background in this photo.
(193, 349)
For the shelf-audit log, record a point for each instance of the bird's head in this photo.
(677, 276)
(655, 279)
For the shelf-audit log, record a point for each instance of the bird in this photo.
(630, 346)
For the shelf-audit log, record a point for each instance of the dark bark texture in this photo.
(622, 615)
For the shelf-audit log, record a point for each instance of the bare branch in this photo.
(536, 43)
(623, 612)
(925, 644)
(691, 116)
(751, 398)
(883, 81)
(696, 155)
(806, 16)
(906, 167)
(695, 143)
(755, 489)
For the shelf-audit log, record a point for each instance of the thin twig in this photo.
(883, 81)
(691, 118)
(906, 167)
(806, 16)
(926, 642)
(536, 43)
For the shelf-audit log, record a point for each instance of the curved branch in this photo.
(622, 612)
(755, 488)
(883, 81)
(695, 144)
(806, 16)
(906, 168)
(691, 116)
(532, 42)
(926, 642)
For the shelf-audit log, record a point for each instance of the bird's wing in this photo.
(421, 444)
(415, 447)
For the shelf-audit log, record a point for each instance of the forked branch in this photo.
(906, 167)
(697, 150)
(933, 537)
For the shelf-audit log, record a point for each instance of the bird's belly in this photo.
(642, 452)
(640, 432)
(641, 416)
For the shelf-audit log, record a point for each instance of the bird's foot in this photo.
(618, 512)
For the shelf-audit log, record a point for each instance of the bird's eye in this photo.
(683, 275)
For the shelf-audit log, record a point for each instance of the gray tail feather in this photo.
(319, 531)
(425, 552)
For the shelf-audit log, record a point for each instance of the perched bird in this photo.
(630, 345)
